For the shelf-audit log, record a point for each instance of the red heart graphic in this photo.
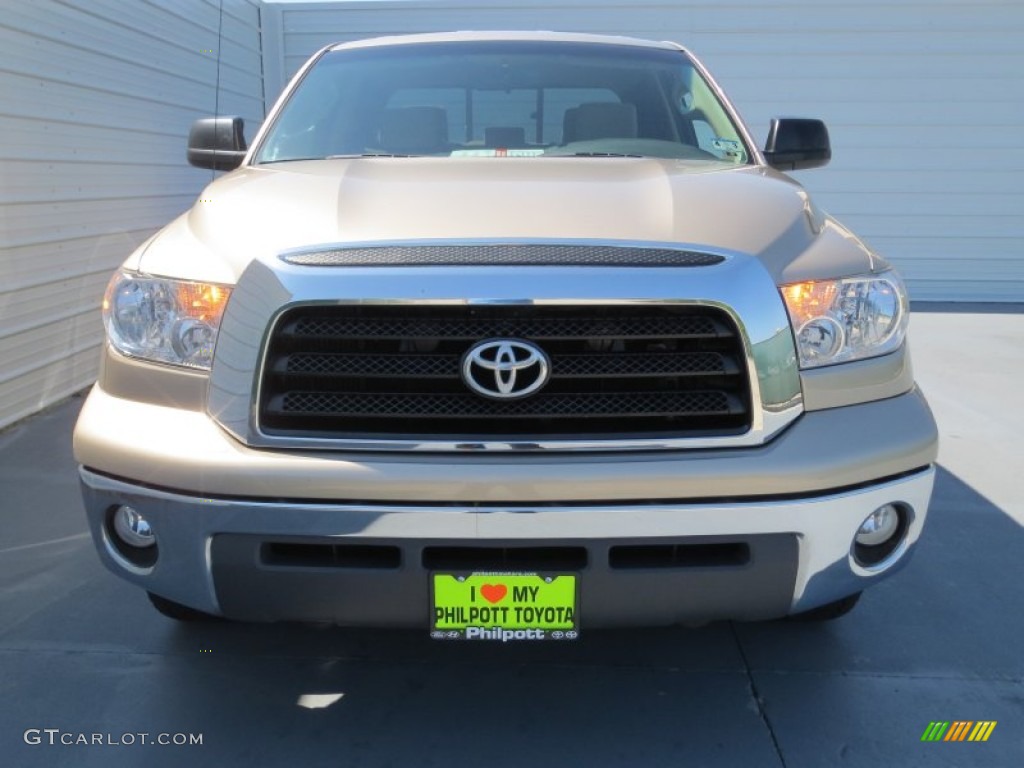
(494, 593)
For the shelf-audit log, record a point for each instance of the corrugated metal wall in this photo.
(96, 97)
(924, 100)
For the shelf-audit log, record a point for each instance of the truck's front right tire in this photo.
(829, 611)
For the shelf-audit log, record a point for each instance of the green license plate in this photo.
(503, 606)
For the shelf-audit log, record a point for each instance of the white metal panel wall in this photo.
(924, 100)
(96, 98)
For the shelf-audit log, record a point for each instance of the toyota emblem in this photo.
(505, 369)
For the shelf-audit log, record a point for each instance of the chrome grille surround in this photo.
(739, 286)
(614, 371)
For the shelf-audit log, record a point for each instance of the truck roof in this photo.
(449, 37)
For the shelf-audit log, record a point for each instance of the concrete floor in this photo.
(83, 652)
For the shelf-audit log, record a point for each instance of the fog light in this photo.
(132, 527)
(880, 540)
(879, 526)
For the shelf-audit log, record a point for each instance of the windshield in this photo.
(504, 98)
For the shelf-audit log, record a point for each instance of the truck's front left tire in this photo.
(179, 612)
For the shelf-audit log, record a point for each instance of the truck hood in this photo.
(259, 211)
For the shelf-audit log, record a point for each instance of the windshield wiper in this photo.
(286, 160)
(367, 154)
(334, 157)
(602, 154)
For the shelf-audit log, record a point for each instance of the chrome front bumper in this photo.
(209, 552)
(793, 504)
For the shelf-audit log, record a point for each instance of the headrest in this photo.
(501, 136)
(599, 120)
(414, 130)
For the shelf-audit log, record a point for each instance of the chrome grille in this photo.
(621, 371)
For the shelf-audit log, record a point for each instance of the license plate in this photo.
(504, 606)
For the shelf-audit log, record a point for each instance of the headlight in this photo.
(167, 321)
(835, 321)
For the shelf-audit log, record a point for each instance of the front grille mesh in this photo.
(417, 405)
(477, 326)
(327, 364)
(394, 372)
(372, 365)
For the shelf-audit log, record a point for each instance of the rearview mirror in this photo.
(795, 143)
(217, 143)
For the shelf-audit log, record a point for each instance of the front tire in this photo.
(829, 611)
(179, 612)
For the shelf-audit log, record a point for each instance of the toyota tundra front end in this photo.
(505, 336)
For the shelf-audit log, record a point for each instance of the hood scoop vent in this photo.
(501, 254)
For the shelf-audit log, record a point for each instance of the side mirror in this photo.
(217, 143)
(795, 143)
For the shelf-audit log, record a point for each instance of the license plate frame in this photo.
(506, 606)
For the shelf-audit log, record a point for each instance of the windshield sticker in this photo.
(497, 152)
(729, 146)
(728, 149)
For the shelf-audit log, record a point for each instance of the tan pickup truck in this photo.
(505, 336)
